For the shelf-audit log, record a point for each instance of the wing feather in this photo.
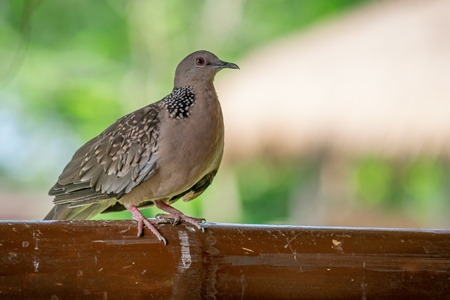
(113, 163)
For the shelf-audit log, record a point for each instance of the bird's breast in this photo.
(196, 142)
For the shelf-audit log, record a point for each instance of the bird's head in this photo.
(199, 67)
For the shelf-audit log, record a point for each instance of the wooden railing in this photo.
(105, 260)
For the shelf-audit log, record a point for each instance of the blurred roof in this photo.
(375, 80)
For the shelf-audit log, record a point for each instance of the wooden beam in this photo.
(105, 260)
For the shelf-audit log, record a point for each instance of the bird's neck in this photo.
(197, 86)
(179, 102)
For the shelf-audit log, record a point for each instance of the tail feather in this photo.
(66, 212)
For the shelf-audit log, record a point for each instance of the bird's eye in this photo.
(200, 61)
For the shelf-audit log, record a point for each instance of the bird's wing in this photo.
(113, 163)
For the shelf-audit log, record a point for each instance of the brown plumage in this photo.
(165, 151)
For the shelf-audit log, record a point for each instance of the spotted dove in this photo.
(165, 151)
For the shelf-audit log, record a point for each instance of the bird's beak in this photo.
(223, 64)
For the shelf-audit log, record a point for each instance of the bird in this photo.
(168, 150)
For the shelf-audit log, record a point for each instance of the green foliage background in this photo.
(70, 68)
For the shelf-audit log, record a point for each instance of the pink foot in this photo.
(141, 219)
(174, 216)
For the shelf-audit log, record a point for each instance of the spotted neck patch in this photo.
(179, 102)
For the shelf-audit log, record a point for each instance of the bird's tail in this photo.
(85, 212)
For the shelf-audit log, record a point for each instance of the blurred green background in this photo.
(69, 69)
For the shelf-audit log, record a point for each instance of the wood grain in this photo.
(105, 260)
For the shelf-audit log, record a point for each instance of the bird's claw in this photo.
(162, 239)
(140, 226)
(150, 225)
(176, 219)
(166, 218)
(140, 232)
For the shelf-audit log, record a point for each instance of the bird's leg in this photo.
(141, 219)
(174, 216)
